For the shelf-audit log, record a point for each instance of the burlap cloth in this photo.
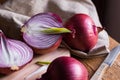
(14, 13)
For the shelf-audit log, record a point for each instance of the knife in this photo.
(109, 60)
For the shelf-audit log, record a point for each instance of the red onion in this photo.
(14, 54)
(84, 34)
(34, 32)
(65, 68)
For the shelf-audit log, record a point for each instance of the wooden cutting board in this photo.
(32, 67)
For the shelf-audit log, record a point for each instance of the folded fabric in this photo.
(14, 13)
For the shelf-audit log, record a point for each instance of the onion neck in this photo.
(100, 29)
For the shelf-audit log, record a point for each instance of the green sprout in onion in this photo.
(43, 32)
(42, 63)
(55, 30)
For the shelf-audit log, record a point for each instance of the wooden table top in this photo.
(91, 64)
(112, 73)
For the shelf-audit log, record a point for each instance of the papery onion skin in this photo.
(65, 68)
(84, 34)
(40, 42)
(14, 54)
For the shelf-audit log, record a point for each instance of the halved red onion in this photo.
(13, 54)
(33, 35)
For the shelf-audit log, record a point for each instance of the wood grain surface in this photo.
(32, 67)
(112, 73)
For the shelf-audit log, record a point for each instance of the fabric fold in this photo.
(14, 13)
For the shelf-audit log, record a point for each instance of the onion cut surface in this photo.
(32, 30)
(13, 53)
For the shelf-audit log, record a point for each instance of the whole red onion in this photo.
(84, 34)
(65, 68)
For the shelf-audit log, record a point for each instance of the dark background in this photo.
(109, 14)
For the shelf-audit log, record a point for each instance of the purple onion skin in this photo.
(65, 68)
(84, 34)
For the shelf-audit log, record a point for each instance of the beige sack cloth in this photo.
(14, 13)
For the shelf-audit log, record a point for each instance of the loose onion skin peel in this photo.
(43, 32)
(84, 32)
(65, 68)
(14, 54)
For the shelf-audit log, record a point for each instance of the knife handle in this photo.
(100, 71)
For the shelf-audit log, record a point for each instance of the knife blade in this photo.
(109, 60)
